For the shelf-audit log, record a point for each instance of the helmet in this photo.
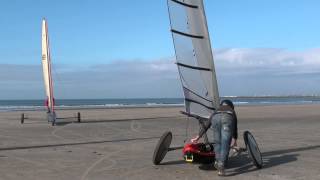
(227, 102)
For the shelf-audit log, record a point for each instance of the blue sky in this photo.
(89, 33)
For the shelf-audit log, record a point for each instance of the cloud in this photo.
(263, 71)
(269, 58)
(120, 79)
(10, 72)
(268, 71)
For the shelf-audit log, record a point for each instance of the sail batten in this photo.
(186, 34)
(185, 4)
(193, 67)
(194, 56)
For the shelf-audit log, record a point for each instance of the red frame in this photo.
(195, 148)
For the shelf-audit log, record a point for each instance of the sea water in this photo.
(14, 105)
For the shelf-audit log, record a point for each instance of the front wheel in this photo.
(253, 149)
(162, 147)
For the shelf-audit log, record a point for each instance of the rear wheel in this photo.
(79, 117)
(22, 118)
(162, 147)
(253, 149)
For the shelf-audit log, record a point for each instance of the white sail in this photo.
(46, 66)
(194, 56)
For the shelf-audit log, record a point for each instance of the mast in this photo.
(46, 67)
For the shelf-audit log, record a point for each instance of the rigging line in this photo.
(187, 128)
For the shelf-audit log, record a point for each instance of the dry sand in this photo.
(119, 144)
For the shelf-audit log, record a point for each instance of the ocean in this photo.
(15, 105)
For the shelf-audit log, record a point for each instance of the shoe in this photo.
(215, 165)
(220, 167)
(221, 172)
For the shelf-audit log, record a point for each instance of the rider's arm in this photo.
(235, 127)
(204, 129)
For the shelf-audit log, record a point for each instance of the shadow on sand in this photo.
(60, 121)
(75, 144)
(128, 120)
(243, 164)
(174, 162)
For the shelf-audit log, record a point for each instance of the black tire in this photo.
(22, 118)
(79, 117)
(162, 147)
(253, 149)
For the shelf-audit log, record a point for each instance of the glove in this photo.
(195, 139)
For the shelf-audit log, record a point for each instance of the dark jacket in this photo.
(222, 109)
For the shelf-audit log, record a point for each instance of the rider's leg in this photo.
(216, 126)
(227, 124)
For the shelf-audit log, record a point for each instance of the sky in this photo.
(124, 49)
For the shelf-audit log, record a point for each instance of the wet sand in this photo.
(119, 144)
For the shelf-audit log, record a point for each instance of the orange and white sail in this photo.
(46, 66)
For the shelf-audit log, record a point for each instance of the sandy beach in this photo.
(119, 144)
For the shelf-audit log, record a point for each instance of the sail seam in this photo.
(188, 35)
(185, 4)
